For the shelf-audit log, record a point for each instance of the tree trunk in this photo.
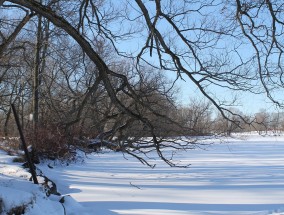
(36, 81)
(6, 132)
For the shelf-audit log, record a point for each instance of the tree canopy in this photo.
(115, 53)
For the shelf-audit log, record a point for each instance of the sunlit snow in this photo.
(237, 176)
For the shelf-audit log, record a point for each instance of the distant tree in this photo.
(234, 123)
(275, 124)
(197, 117)
(262, 121)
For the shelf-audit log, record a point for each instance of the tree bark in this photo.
(37, 74)
(6, 132)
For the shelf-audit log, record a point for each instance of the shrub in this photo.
(10, 144)
(50, 143)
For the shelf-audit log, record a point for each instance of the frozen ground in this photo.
(240, 177)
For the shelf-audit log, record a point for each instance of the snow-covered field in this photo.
(233, 177)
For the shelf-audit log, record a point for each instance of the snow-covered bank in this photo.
(19, 195)
(242, 176)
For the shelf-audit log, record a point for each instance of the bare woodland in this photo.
(99, 69)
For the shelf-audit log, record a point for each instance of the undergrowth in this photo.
(47, 143)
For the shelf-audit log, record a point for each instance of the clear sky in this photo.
(246, 102)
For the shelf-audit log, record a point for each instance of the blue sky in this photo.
(247, 102)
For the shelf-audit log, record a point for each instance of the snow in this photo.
(16, 190)
(240, 176)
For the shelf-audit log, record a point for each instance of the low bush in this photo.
(10, 144)
(50, 143)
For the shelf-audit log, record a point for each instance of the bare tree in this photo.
(185, 38)
(261, 23)
(262, 119)
(197, 117)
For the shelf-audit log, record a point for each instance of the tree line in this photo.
(97, 68)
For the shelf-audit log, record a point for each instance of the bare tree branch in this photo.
(17, 30)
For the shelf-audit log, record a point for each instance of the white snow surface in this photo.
(16, 190)
(240, 176)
